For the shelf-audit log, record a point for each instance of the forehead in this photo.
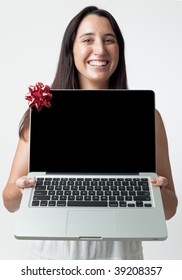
(94, 24)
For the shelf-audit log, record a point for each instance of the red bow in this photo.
(39, 96)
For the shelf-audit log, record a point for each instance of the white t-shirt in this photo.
(84, 250)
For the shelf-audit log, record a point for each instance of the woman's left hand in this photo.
(159, 182)
(168, 196)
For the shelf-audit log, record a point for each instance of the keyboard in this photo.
(91, 192)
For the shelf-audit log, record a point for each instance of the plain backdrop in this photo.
(30, 38)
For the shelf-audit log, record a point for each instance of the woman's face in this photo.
(95, 52)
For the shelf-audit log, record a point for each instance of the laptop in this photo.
(93, 154)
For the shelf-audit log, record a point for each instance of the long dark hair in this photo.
(66, 75)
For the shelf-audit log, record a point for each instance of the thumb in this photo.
(24, 182)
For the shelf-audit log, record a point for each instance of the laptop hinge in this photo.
(93, 174)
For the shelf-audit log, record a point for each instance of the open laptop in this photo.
(93, 154)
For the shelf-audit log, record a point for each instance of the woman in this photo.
(92, 57)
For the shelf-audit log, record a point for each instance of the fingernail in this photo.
(153, 181)
(31, 181)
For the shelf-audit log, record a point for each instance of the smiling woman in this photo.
(92, 37)
(96, 52)
(92, 56)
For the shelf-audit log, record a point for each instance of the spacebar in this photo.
(88, 203)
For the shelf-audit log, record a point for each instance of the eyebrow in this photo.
(93, 34)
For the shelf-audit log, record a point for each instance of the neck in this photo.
(94, 85)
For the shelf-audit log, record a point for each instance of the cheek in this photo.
(78, 58)
(83, 54)
(115, 55)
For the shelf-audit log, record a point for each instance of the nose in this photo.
(99, 47)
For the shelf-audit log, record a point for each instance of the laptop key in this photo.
(142, 198)
(43, 203)
(62, 197)
(79, 197)
(71, 197)
(88, 203)
(61, 203)
(41, 197)
(122, 204)
(35, 203)
(87, 197)
(40, 188)
(52, 203)
(139, 203)
(113, 204)
(40, 192)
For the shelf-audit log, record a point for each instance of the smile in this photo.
(98, 62)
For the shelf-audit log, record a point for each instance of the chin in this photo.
(99, 78)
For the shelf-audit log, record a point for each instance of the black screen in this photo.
(94, 131)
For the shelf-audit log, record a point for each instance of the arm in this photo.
(12, 192)
(165, 179)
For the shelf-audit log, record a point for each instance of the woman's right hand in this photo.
(25, 182)
(13, 191)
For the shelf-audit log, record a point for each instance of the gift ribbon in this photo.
(39, 96)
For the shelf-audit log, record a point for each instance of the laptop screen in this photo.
(94, 132)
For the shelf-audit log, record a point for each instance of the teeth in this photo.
(97, 63)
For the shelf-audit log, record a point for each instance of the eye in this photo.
(87, 41)
(109, 41)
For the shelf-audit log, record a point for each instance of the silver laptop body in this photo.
(93, 147)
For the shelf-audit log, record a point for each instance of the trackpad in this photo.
(90, 223)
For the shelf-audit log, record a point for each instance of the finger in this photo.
(159, 181)
(25, 182)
